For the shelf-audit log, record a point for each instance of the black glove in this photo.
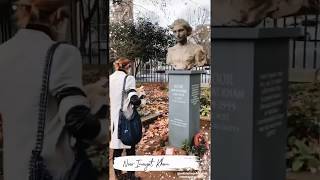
(135, 100)
(81, 123)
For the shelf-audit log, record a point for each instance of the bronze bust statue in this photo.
(184, 55)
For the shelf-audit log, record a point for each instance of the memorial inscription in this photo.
(270, 103)
(229, 97)
(179, 122)
(179, 94)
(195, 91)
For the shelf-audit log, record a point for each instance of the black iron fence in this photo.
(305, 52)
(157, 72)
(91, 19)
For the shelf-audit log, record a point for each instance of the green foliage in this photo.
(303, 155)
(143, 40)
(205, 102)
(123, 41)
(205, 110)
(153, 39)
(303, 150)
(191, 148)
(205, 98)
(199, 150)
(186, 146)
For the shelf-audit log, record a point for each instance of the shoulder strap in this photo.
(123, 91)
(42, 114)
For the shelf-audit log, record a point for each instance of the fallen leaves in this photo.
(156, 100)
(156, 135)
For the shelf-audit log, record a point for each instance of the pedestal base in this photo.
(249, 95)
(184, 105)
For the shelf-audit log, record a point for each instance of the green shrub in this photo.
(205, 101)
(303, 148)
(205, 97)
(205, 110)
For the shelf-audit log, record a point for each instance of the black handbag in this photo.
(129, 129)
(82, 168)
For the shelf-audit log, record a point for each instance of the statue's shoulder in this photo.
(194, 47)
(173, 48)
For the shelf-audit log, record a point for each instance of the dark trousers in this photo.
(129, 152)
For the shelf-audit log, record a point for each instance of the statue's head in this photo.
(181, 30)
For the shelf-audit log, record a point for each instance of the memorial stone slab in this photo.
(249, 95)
(184, 105)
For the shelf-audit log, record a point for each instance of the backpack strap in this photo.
(123, 92)
(42, 113)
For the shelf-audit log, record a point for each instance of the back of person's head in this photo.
(47, 12)
(122, 64)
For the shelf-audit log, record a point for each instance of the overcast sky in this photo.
(166, 11)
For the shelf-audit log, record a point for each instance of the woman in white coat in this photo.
(131, 99)
(69, 117)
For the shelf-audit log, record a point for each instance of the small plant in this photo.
(205, 111)
(205, 97)
(303, 155)
(198, 146)
(205, 102)
(186, 146)
(303, 148)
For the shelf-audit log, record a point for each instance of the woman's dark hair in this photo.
(121, 63)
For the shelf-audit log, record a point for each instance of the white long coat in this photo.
(22, 61)
(115, 93)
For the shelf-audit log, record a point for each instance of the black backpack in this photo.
(129, 129)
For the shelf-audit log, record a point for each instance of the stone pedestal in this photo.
(184, 105)
(249, 95)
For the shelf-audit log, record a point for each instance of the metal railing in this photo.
(158, 73)
(89, 30)
(304, 51)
